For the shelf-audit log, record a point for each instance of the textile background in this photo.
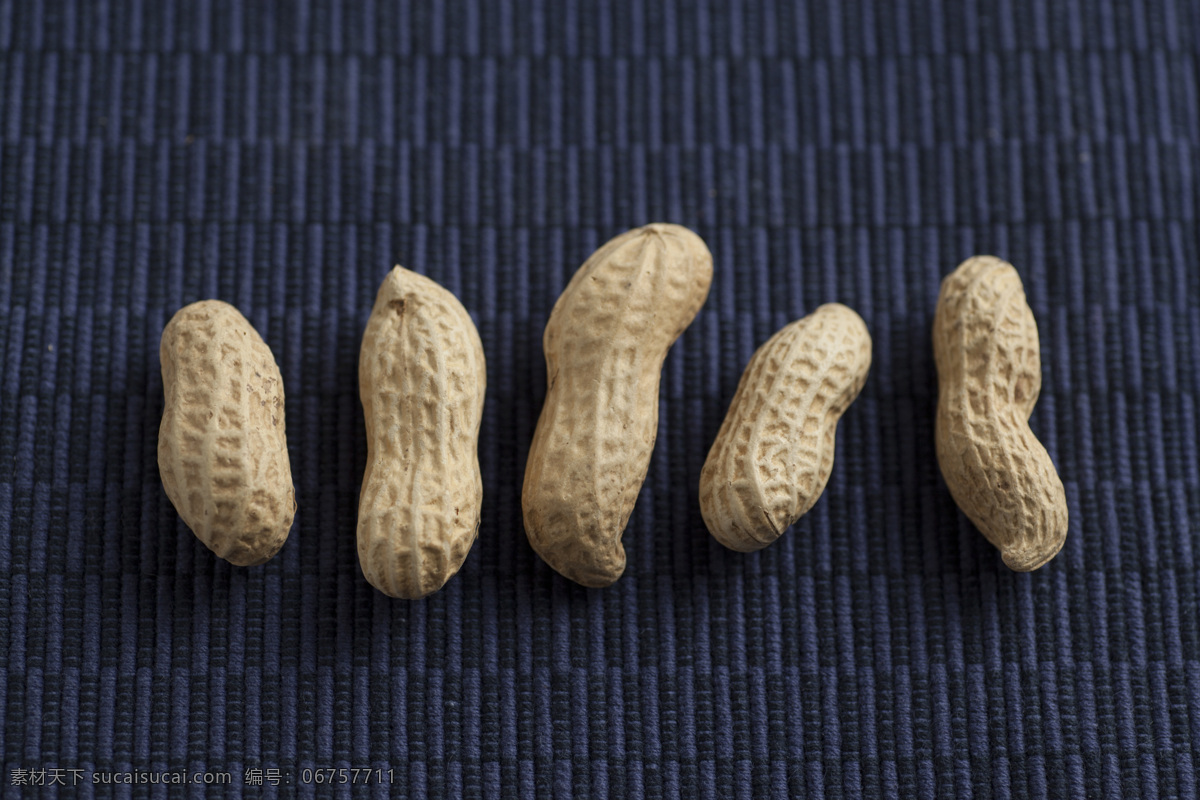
(282, 156)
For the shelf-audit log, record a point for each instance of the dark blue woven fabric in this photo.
(282, 156)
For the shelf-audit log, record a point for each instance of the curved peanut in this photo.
(421, 377)
(985, 342)
(773, 455)
(605, 344)
(222, 448)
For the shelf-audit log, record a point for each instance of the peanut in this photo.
(773, 455)
(222, 449)
(605, 343)
(421, 378)
(985, 342)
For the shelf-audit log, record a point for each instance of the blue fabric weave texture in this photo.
(283, 156)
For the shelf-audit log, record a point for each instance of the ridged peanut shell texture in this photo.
(421, 378)
(222, 447)
(985, 342)
(605, 343)
(773, 455)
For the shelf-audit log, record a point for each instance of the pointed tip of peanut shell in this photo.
(1030, 559)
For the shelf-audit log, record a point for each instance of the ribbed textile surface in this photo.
(283, 156)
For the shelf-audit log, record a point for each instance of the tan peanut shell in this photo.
(773, 455)
(985, 342)
(421, 378)
(605, 344)
(222, 449)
